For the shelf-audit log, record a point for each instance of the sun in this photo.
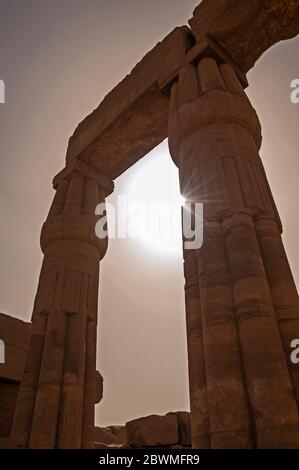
(182, 200)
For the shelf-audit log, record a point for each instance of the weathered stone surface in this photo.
(153, 431)
(173, 429)
(196, 359)
(214, 139)
(56, 402)
(98, 445)
(8, 399)
(111, 435)
(178, 447)
(241, 302)
(245, 29)
(15, 333)
(184, 425)
(4, 442)
(132, 118)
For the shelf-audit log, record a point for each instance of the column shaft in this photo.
(229, 425)
(248, 301)
(196, 360)
(58, 390)
(282, 288)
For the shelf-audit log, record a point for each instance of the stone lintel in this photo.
(246, 28)
(132, 118)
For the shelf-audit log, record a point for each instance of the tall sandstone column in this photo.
(241, 301)
(55, 408)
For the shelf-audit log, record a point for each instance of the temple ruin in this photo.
(242, 306)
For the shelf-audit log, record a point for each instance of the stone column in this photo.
(196, 367)
(246, 309)
(56, 402)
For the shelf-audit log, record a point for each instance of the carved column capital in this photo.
(88, 172)
(214, 139)
(79, 188)
(206, 96)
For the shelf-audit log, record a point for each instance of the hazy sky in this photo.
(58, 59)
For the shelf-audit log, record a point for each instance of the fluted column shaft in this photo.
(55, 408)
(196, 368)
(245, 306)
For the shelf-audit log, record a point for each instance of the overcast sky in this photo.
(58, 60)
